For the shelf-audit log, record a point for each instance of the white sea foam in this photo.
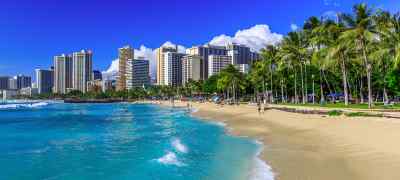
(194, 110)
(16, 106)
(177, 144)
(260, 169)
(170, 159)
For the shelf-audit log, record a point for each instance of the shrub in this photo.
(335, 113)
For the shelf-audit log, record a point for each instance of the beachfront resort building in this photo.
(82, 70)
(97, 75)
(204, 52)
(160, 62)
(137, 73)
(243, 68)
(44, 81)
(241, 54)
(4, 82)
(124, 54)
(23, 81)
(12, 84)
(62, 73)
(218, 62)
(173, 68)
(192, 68)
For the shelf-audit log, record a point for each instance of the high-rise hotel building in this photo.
(173, 68)
(124, 54)
(82, 70)
(204, 52)
(4, 85)
(160, 62)
(137, 73)
(44, 80)
(218, 62)
(62, 73)
(192, 68)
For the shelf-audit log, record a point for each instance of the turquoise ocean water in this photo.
(119, 141)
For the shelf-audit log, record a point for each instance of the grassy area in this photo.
(342, 106)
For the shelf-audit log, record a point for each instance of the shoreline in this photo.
(314, 147)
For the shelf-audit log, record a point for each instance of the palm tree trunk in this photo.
(368, 68)
(369, 86)
(361, 90)
(272, 86)
(282, 96)
(321, 87)
(385, 97)
(305, 82)
(264, 89)
(296, 98)
(302, 84)
(345, 89)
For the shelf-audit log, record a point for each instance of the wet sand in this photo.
(315, 147)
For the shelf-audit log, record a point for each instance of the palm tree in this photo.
(230, 79)
(388, 47)
(293, 53)
(361, 30)
(270, 55)
(338, 52)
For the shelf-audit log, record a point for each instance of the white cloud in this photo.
(330, 15)
(256, 37)
(143, 52)
(181, 49)
(148, 54)
(334, 3)
(294, 27)
(111, 72)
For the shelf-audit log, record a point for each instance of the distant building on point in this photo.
(62, 73)
(137, 73)
(4, 84)
(81, 70)
(44, 81)
(97, 75)
(124, 54)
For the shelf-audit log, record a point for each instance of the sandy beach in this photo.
(315, 147)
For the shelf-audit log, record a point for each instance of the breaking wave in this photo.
(177, 144)
(170, 159)
(25, 105)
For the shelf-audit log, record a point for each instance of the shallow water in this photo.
(119, 141)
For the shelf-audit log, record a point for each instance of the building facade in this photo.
(137, 73)
(12, 84)
(62, 73)
(23, 81)
(81, 70)
(160, 62)
(217, 62)
(4, 82)
(173, 69)
(243, 68)
(241, 54)
(204, 52)
(44, 81)
(28, 91)
(97, 75)
(124, 54)
(192, 68)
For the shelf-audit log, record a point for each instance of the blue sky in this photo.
(33, 31)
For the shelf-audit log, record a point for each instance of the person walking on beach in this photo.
(259, 107)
